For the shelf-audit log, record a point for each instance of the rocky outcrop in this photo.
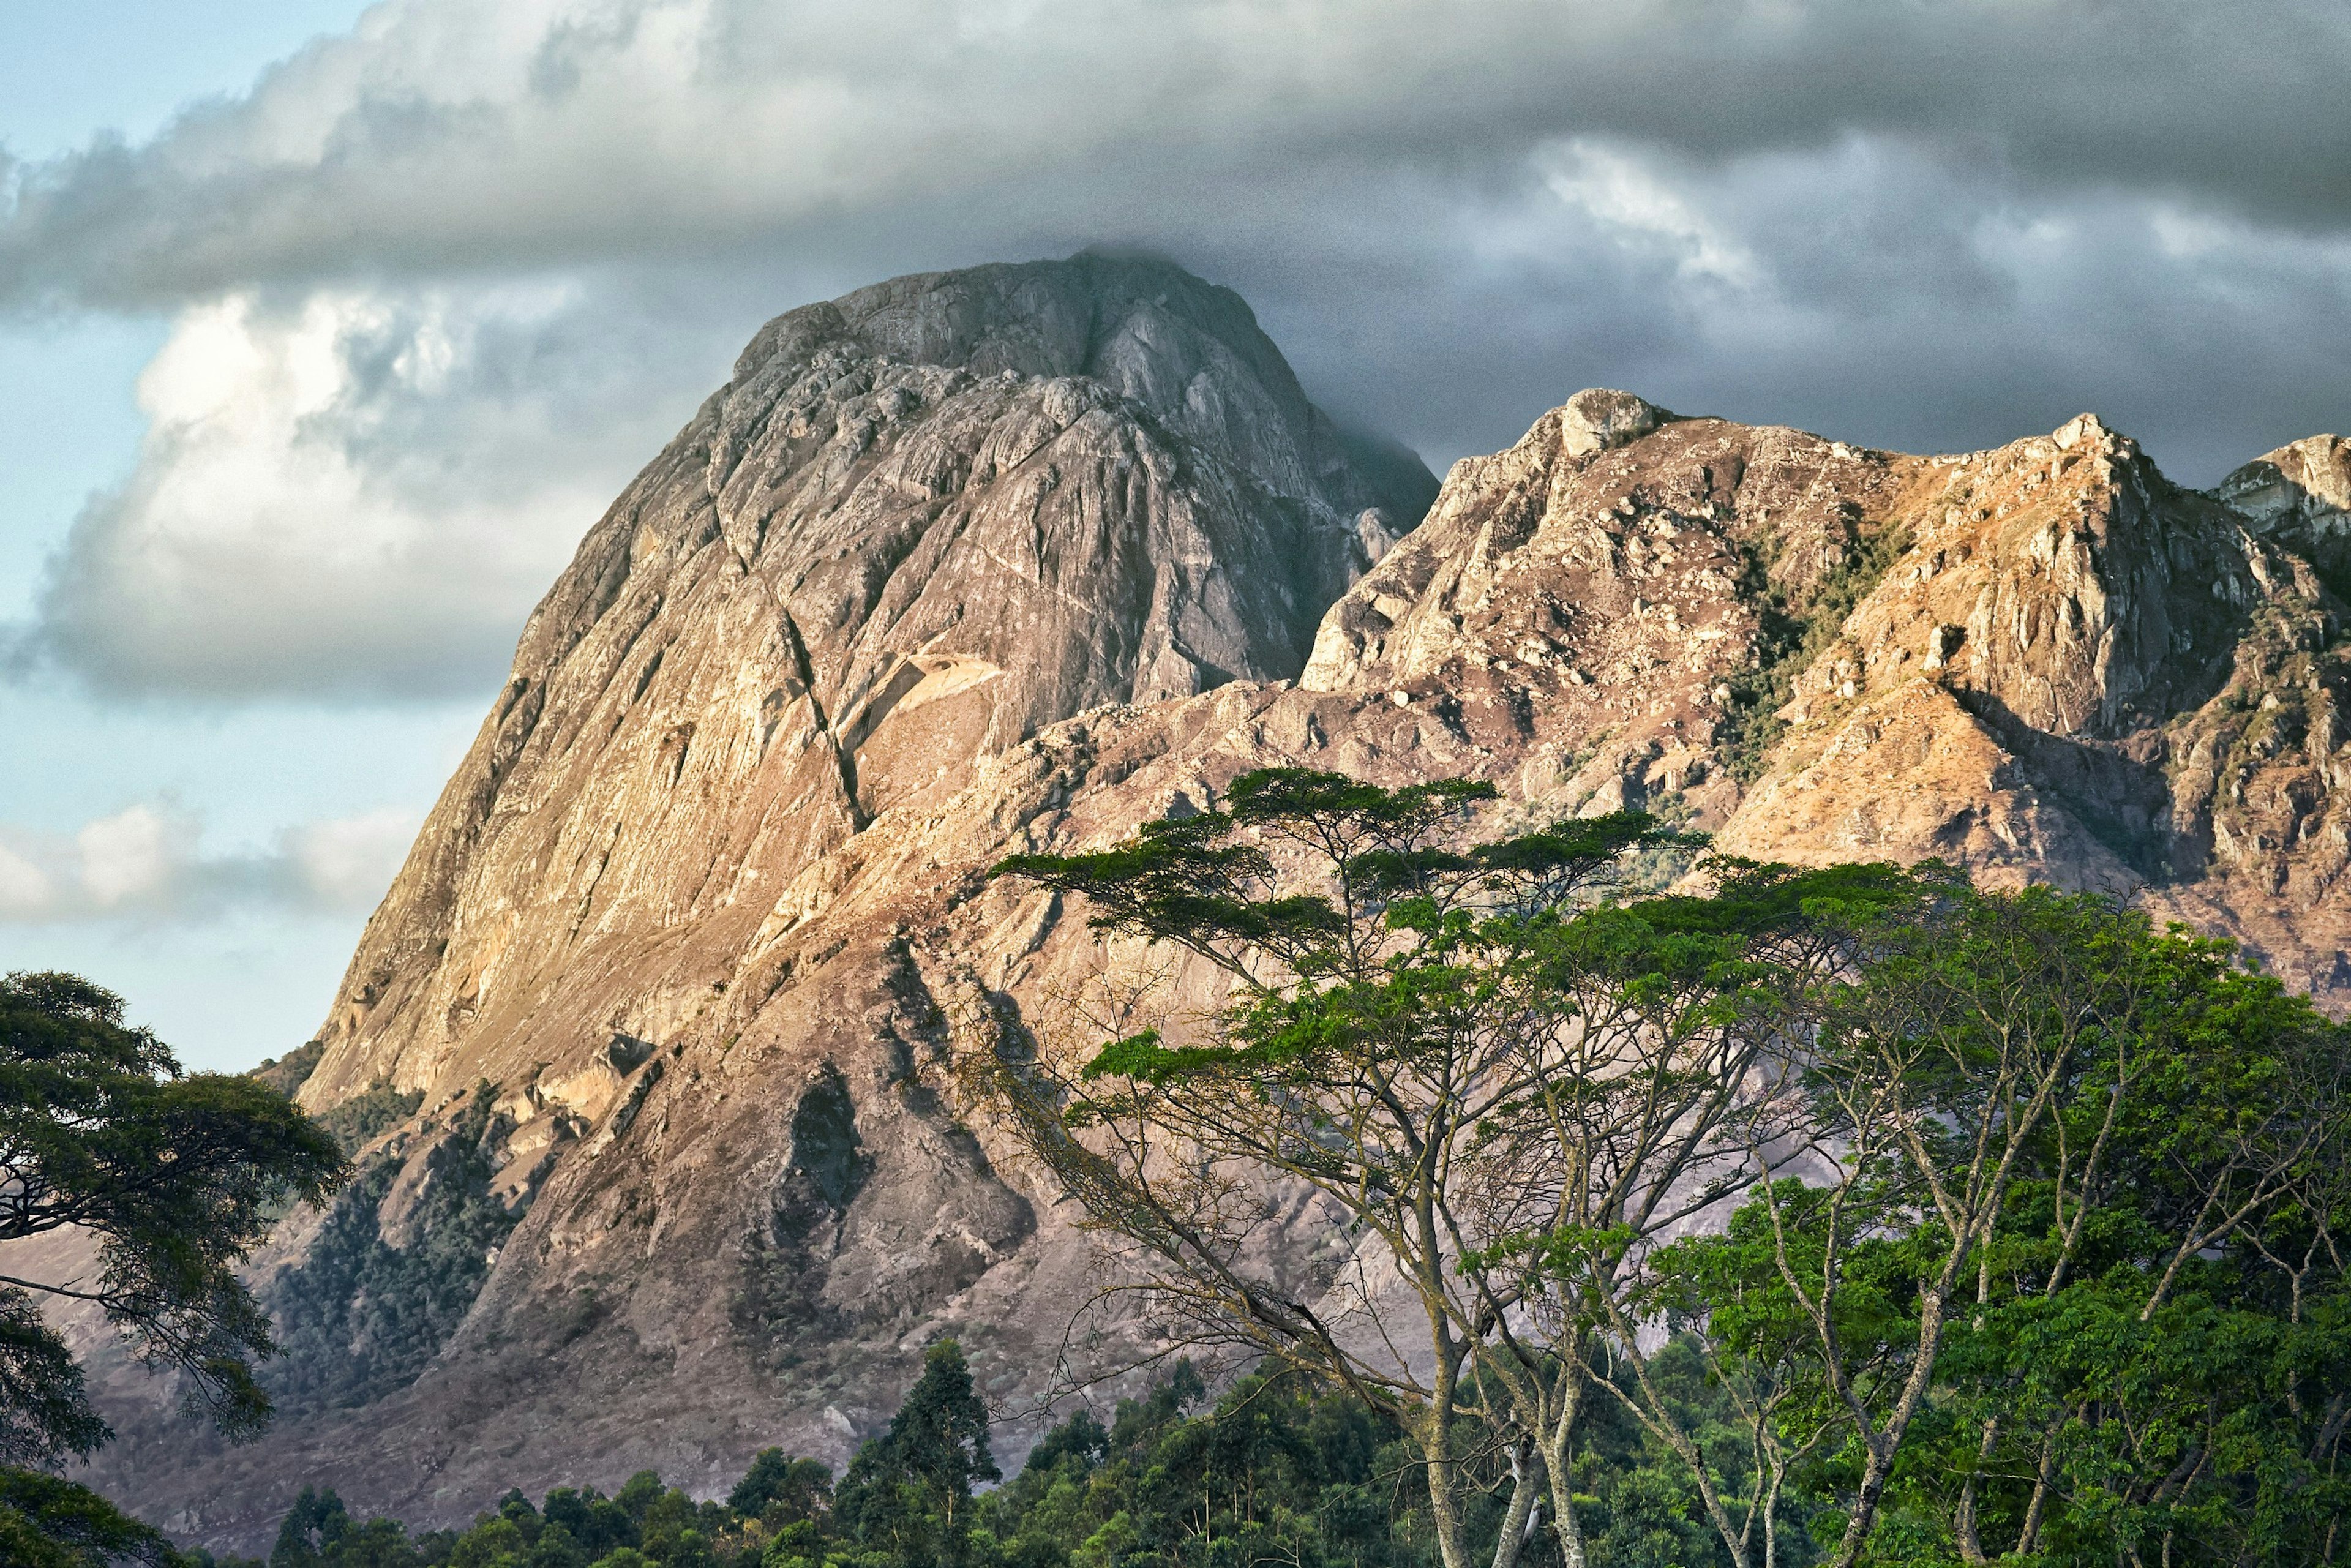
(921, 522)
(2044, 662)
(1016, 558)
(721, 1198)
(2300, 496)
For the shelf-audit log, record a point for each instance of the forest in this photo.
(1272, 1470)
(1856, 1214)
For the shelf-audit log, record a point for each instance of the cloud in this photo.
(1627, 197)
(346, 862)
(132, 857)
(145, 863)
(349, 493)
(442, 134)
(440, 285)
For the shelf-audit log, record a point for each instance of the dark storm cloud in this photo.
(451, 135)
(445, 283)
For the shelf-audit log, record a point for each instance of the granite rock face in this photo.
(921, 522)
(2045, 662)
(1016, 558)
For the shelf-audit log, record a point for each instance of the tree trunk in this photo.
(1557, 1441)
(1436, 1452)
(1880, 1468)
(1524, 1490)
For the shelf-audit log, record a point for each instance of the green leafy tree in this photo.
(1502, 1081)
(1657, 1092)
(909, 1491)
(1381, 989)
(497, 1542)
(2034, 1249)
(319, 1531)
(637, 1496)
(376, 1543)
(780, 1489)
(2071, 1288)
(2155, 1358)
(48, 1522)
(594, 1522)
(175, 1177)
(555, 1548)
(1277, 1470)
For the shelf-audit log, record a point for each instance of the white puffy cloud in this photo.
(25, 890)
(131, 858)
(439, 286)
(147, 864)
(347, 863)
(350, 493)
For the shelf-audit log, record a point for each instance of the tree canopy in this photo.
(1860, 1140)
(1854, 1215)
(909, 1491)
(172, 1178)
(175, 1177)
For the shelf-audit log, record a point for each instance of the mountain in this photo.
(921, 523)
(652, 1047)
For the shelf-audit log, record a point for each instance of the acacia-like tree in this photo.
(1664, 1092)
(1502, 1086)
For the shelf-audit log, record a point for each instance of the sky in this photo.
(325, 330)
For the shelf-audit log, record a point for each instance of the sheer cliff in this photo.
(661, 1020)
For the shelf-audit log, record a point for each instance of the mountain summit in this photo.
(921, 522)
(653, 1041)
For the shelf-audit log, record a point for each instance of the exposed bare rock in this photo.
(2300, 496)
(2044, 662)
(921, 522)
(1017, 559)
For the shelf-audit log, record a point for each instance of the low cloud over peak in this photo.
(440, 285)
(444, 136)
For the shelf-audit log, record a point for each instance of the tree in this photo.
(175, 1177)
(1658, 1092)
(311, 1529)
(2067, 1281)
(783, 1488)
(47, 1522)
(2156, 1359)
(319, 1531)
(909, 1491)
(595, 1523)
(1502, 1086)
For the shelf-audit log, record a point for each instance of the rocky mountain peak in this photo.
(2312, 473)
(1019, 558)
(1596, 419)
(1141, 327)
(2300, 496)
(921, 522)
(2083, 430)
